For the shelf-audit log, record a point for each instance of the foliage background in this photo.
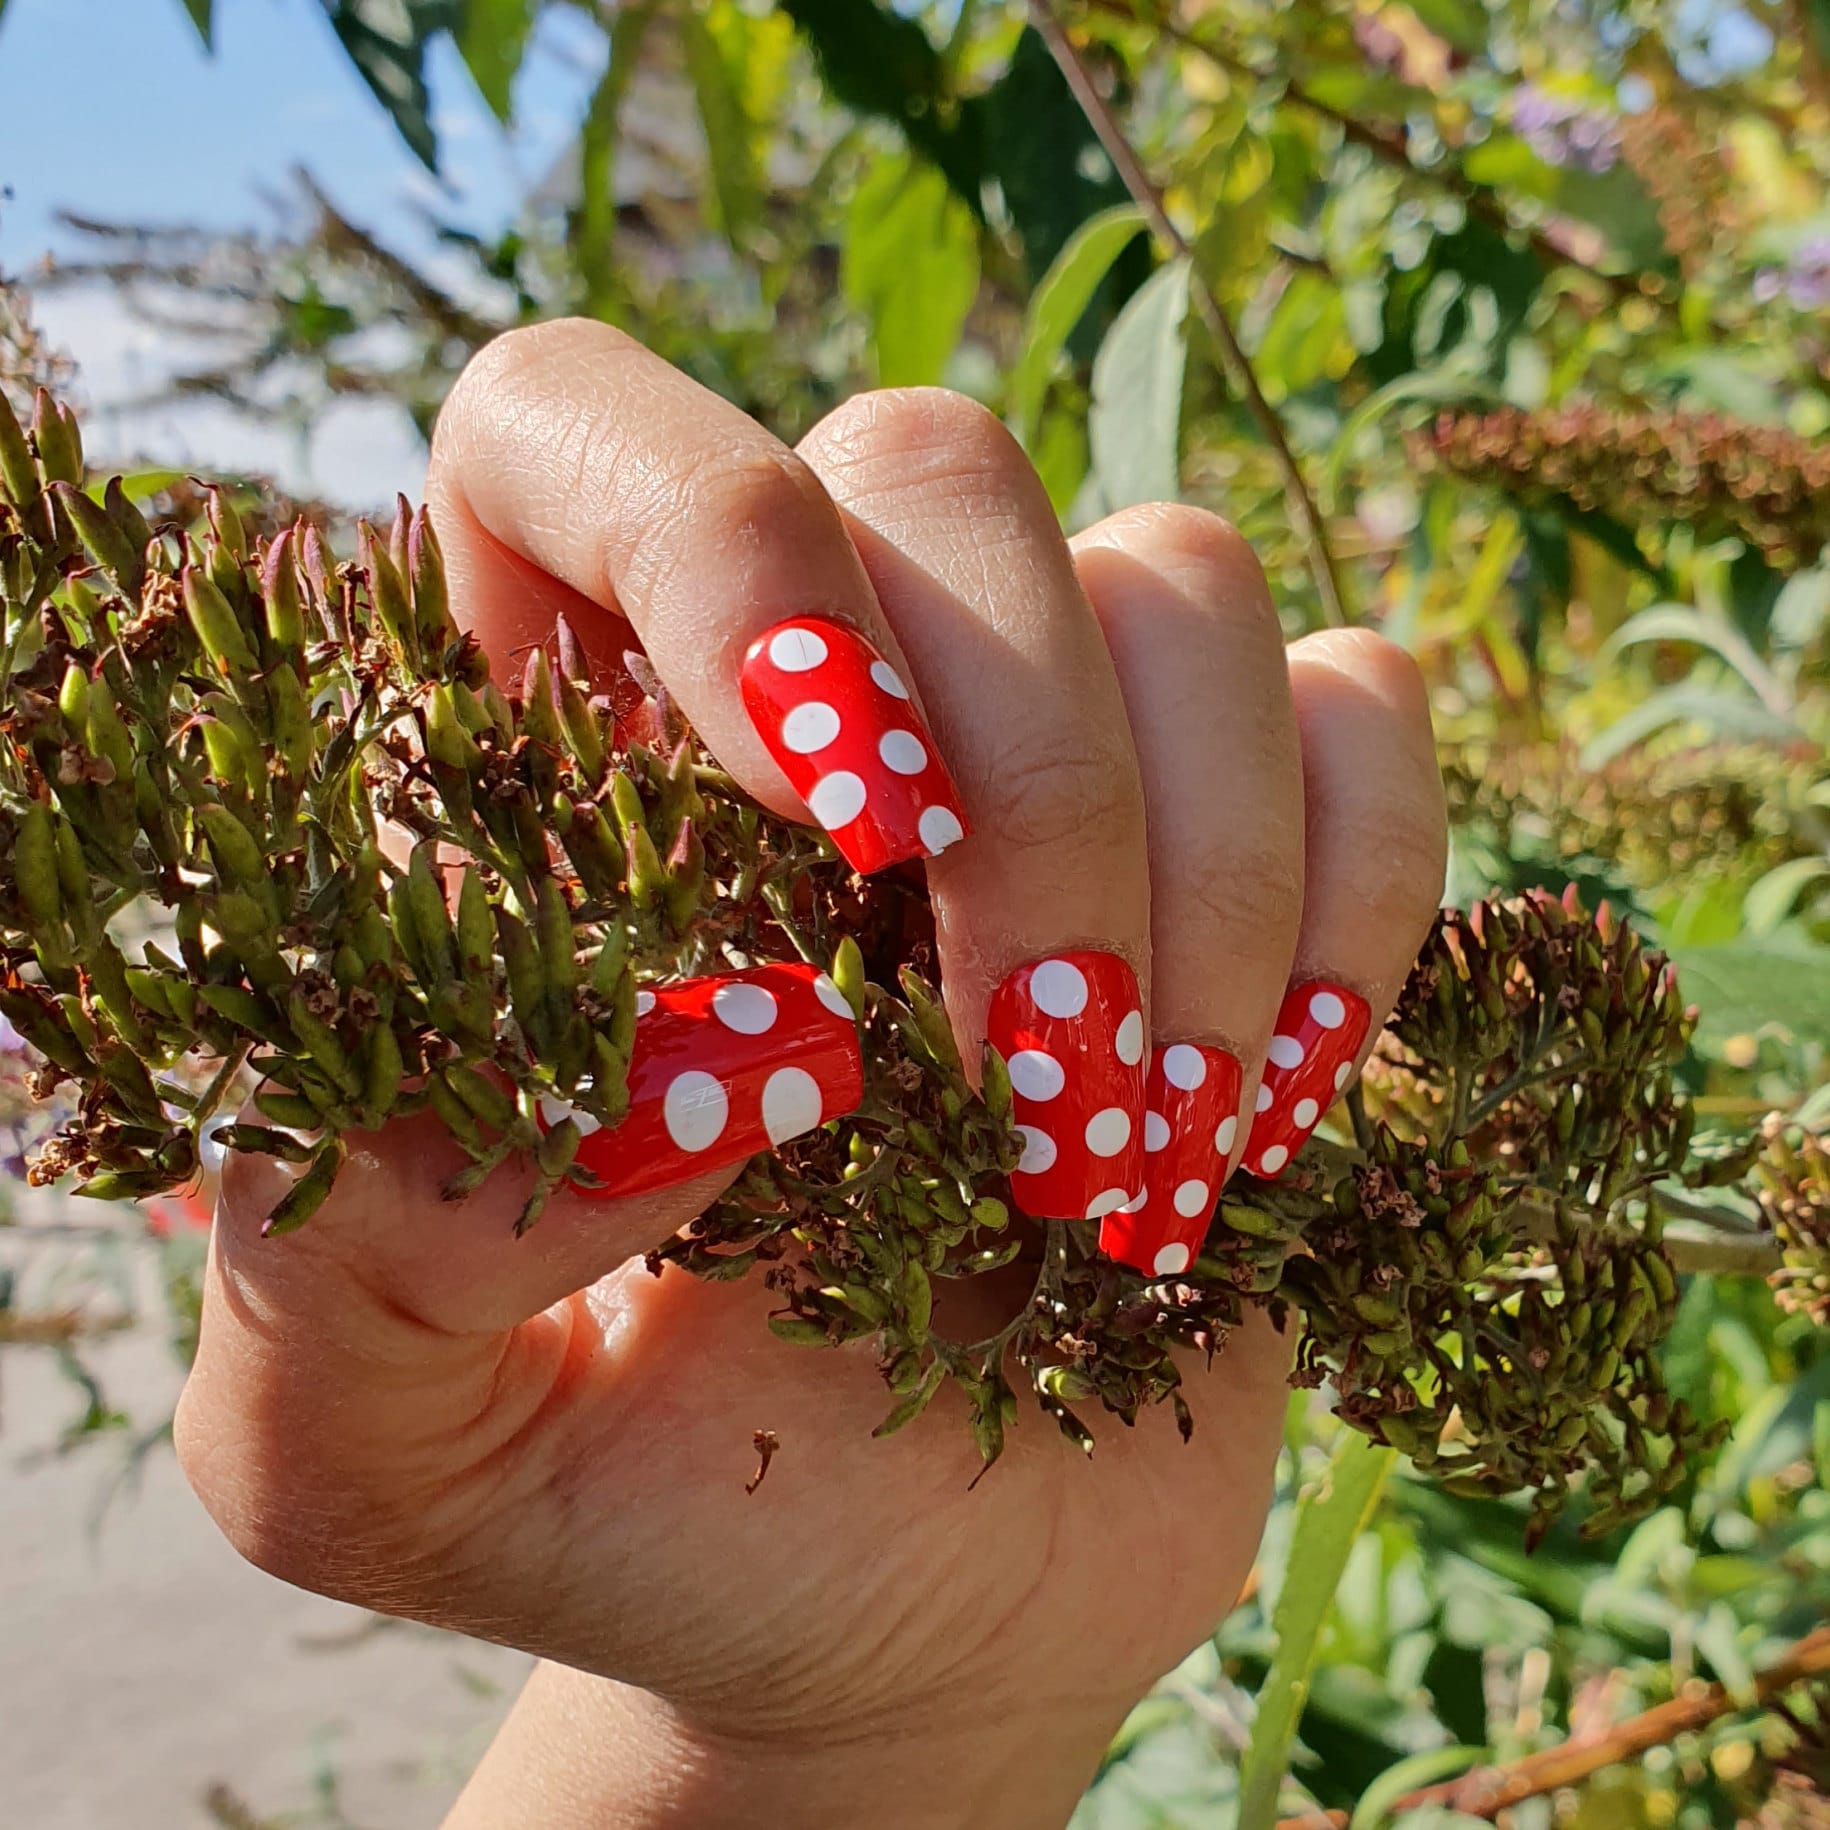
(1495, 323)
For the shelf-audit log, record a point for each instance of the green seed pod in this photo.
(323, 1045)
(293, 1110)
(388, 594)
(481, 1097)
(218, 629)
(685, 878)
(431, 918)
(35, 869)
(294, 740)
(554, 915)
(19, 473)
(280, 591)
(917, 1300)
(262, 1140)
(431, 602)
(583, 738)
(59, 440)
(309, 1192)
(124, 1185)
(848, 974)
(116, 555)
(448, 742)
(626, 802)
(73, 698)
(647, 878)
(236, 852)
(526, 979)
(384, 1072)
(476, 929)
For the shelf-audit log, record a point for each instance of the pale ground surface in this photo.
(141, 1661)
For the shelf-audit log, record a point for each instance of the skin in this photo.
(537, 1442)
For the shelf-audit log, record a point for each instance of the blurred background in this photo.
(1502, 325)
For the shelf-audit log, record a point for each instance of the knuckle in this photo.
(923, 434)
(1238, 889)
(1204, 547)
(1053, 791)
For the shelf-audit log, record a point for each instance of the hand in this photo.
(536, 1441)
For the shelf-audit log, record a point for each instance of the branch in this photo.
(1145, 194)
(1487, 1791)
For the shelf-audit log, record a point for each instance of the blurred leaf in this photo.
(1374, 1810)
(1719, 712)
(1782, 981)
(1718, 1638)
(1817, 23)
(199, 11)
(1681, 623)
(386, 41)
(1803, 607)
(1135, 424)
(727, 132)
(592, 230)
(912, 262)
(1058, 304)
(1772, 898)
(1327, 1524)
(493, 35)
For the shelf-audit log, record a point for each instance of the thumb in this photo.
(394, 1344)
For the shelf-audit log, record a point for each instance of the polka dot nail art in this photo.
(838, 720)
(1071, 1031)
(723, 1067)
(1308, 1064)
(1191, 1127)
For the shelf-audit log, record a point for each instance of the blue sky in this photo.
(114, 109)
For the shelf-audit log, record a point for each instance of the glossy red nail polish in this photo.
(1308, 1063)
(1071, 1031)
(723, 1067)
(1191, 1125)
(839, 722)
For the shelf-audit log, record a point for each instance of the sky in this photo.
(114, 109)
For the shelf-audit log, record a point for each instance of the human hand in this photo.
(537, 1442)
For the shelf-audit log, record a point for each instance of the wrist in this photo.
(583, 1753)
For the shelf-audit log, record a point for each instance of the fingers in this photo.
(572, 470)
(1043, 918)
(1200, 659)
(1375, 845)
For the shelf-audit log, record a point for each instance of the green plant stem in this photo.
(1212, 313)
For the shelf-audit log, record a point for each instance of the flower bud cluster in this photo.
(1683, 168)
(1792, 1185)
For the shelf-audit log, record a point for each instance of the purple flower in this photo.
(1562, 132)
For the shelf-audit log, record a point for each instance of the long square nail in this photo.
(722, 1067)
(1191, 1124)
(838, 720)
(1071, 1030)
(1308, 1064)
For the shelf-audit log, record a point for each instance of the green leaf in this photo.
(1773, 897)
(592, 230)
(912, 263)
(1327, 1524)
(1780, 982)
(199, 11)
(1058, 305)
(1719, 712)
(493, 37)
(1374, 1809)
(1682, 623)
(386, 40)
(727, 132)
(1134, 425)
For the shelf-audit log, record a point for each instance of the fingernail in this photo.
(1071, 1030)
(1191, 1123)
(839, 723)
(723, 1067)
(1307, 1065)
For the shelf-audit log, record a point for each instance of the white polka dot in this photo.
(1036, 1075)
(1342, 1075)
(1285, 1052)
(887, 677)
(939, 827)
(748, 1009)
(1156, 1131)
(1058, 988)
(695, 1109)
(644, 1003)
(1306, 1113)
(1328, 1010)
(1136, 1204)
(1264, 1098)
(1223, 1138)
(1170, 1260)
(837, 799)
(1191, 1198)
(833, 998)
(903, 752)
(790, 1104)
(1107, 1201)
(1131, 1039)
(1273, 1160)
(1108, 1131)
(797, 651)
(1184, 1067)
(810, 727)
(1038, 1151)
(554, 1109)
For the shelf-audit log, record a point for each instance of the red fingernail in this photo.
(723, 1067)
(1307, 1065)
(1191, 1123)
(838, 721)
(1071, 1031)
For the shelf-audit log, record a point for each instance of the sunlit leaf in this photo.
(727, 133)
(1134, 427)
(493, 37)
(1771, 900)
(386, 41)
